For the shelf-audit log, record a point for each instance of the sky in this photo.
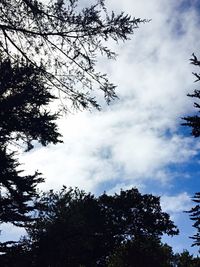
(138, 140)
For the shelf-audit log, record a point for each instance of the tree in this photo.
(195, 216)
(67, 42)
(77, 229)
(194, 122)
(24, 117)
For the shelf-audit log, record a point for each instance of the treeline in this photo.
(74, 228)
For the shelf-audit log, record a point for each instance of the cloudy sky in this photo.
(137, 141)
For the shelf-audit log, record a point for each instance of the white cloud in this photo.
(176, 204)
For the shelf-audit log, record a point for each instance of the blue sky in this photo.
(137, 141)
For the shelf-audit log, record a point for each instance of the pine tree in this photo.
(195, 216)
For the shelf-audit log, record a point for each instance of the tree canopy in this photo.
(74, 228)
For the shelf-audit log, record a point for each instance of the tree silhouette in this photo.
(194, 122)
(195, 216)
(74, 228)
(24, 117)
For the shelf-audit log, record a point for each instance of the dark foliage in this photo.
(77, 229)
(184, 259)
(24, 99)
(194, 120)
(24, 117)
(15, 254)
(16, 191)
(142, 252)
(66, 41)
(195, 216)
(194, 123)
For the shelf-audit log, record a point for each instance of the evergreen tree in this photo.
(194, 122)
(195, 216)
(24, 117)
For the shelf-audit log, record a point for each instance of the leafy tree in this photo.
(66, 40)
(77, 229)
(142, 212)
